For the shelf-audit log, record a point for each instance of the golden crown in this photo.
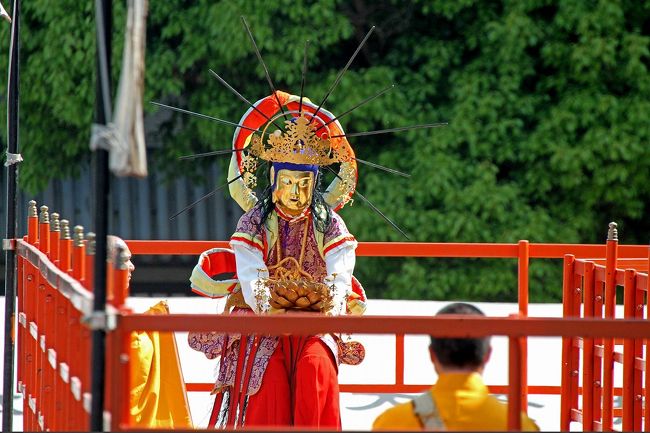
(298, 144)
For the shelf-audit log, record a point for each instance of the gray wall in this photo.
(140, 209)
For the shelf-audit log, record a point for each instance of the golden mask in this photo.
(293, 191)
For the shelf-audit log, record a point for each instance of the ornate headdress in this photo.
(307, 139)
(298, 144)
(311, 136)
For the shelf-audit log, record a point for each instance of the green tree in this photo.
(547, 104)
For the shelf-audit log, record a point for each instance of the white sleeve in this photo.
(340, 263)
(250, 270)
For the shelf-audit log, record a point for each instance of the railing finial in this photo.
(55, 225)
(31, 210)
(91, 244)
(65, 229)
(44, 217)
(78, 236)
(612, 233)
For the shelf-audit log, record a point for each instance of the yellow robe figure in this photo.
(464, 404)
(158, 396)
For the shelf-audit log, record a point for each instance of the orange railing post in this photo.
(55, 237)
(46, 326)
(638, 355)
(610, 305)
(646, 418)
(79, 255)
(514, 383)
(77, 413)
(567, 343)
(32, 226)
(40, 398)
(52, 299)
(89, 270)
(30, 273)
(628, 352)
(118, 346)
(19, 331)
(112, 365)
(62, 338)
(120, 279)
(588, 352)
(120, 380)
(44, 230)
(86, 334)
(523, 279)
(399, 359)
(598, 360)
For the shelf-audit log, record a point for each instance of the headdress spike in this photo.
(240, 96)
(381, 167)
(204, 116)
(210, 194)
(365, 101)
(212, 153)
(266, 70)
(386, 131)
(304, 75)
(342, 72)
(373, 207)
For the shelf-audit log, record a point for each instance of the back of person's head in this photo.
(460, 353)
(112, 244)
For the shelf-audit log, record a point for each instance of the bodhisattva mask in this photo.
(293, 191)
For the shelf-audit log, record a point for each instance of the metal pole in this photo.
(103, 17)
(9, 243)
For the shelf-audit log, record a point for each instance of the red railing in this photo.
(522, 251)
(589, 288)
(54, 296)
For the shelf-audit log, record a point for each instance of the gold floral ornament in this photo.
(298, 144)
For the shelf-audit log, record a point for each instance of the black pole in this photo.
(103, 17)
(9, 243)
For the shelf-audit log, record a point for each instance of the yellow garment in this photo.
(158, 395)
(463, 403)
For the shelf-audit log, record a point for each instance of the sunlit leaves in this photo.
(547, 103)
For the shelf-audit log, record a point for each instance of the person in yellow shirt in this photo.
(459, 400)
(157, 397)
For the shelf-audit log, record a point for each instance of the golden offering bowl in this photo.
(300, 295)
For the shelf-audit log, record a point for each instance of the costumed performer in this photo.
(291, 251)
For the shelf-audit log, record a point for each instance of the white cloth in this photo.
(4, 14)
(128, 154)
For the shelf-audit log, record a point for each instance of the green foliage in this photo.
(547, 102)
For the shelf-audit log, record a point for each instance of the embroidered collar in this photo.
(304, 214)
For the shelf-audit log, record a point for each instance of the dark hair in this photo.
(320, 210)
(460, 352)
